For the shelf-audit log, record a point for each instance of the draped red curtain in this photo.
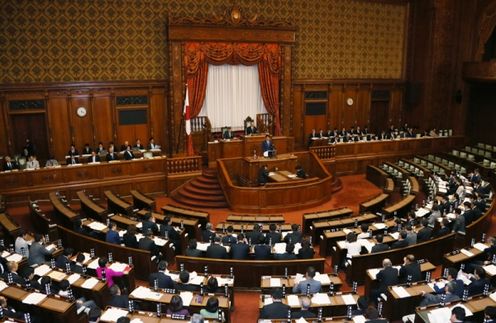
(268, 57)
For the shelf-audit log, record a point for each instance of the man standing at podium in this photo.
(267, 146)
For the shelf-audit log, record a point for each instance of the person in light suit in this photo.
(38, 251)
(313, 285)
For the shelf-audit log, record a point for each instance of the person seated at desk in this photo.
(262, 252)
(72, 151)
(163, 280)
(401, 242)
(81, 303)
(313, 285)
(459, 222)
(191, 250)
(77, 267)
(411, 236)
(353, 247)
(176, 307)
(100, 149)
(227, 133)
(306, 251)
(288, 255)
(110, 274)
(117, 299)
(38, 251)
(30, 279)
(211, 310)
(21, 243)
(94, 158)
(267, 146)
(273, 237)
(364, 234)
(212, 286)
(111, 155)
(251, 129)
(305, 312)
(129, 238)
(183, 285)
(33, 163)
(9, 164)
(208, 234)
(147, 243)
(229, 238)
(64, 259)
(300, 173)
(490, 314)
(215, 250)
(458, 287)
(295, 235)
(152, 144)
(430, 299)
(479, 280)
(112, 235)
(138, 145)
(51, 162)
(379, 246)
(125, 145)
(12, 268)
(276, 310)
(444, 228)
(9, 311)
(263, 175)
(168, 231)
(240, 249)
(87, 149)
(148, 223)
(425, 233)
(128, 154)
(410, 271)
(387, 276)
(256, 236)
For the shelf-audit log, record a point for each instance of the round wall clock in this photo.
(349, 101)
(81, 111)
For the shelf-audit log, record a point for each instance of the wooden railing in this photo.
(181, 165)
(265, 123)
(324, 152)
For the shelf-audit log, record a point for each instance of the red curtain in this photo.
(268, 57)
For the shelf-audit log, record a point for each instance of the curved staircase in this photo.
(201, 192)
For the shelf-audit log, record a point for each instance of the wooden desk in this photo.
(289, 282)
(400, 207)
(396, 307)
(202, 217)
(454, 259)
(308, 218)
(375, 204)
(141, 201)
(150, 317)
(278, 218)
(117, 205)
(9, 227)
(90, 208)
(318, 227)
(65, 215)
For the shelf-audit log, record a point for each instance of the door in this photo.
(32, 126)
(379, 116)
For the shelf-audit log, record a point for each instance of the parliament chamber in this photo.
(248, 161)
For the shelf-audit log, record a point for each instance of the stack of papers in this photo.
(466, 252)
(348, 299)
(42, 270)
(202, 246)
(90, 283)
(187, 297)
(395, 235)
(280, 247)
(140, 292)
(34, 298)
(118, 266)
(293, 300)
(57, 275)
(439, 315)
(373, 272)
(379, 226)
(113, 314)
(275, 282)
(97, 226)
(159, 241)
(3, 285)
(223, 281)
(480, 246)
(72, 278)
(401, 292)
(321, 299)
(93, 264)
(14, 257)
(490, 269)
(323, 279)
(359, 319)
(268, 300)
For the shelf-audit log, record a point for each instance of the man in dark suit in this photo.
(478, 282)
(38, 251)
(288, 255)
(256, 236)
(425, 233)
(444, 229)
(116, 299)
(64, 258)
(276, 310)
(72, 151)
(148, 223)
(267, 144)
(430, 299)
(388, 276)
(128, 154)
(147, 243)
(227, 133)
(129, 238)
(87, 149)
(112, 155)
(314, 286)
(401, 242)
(77, 267)
(138, 145)
(262, 252)
(94, 158)
(273, 237)
(306, 251)
(192, 250)
(208, 234)
(215, 250)
(469, 213)
(9, 164)
(458, 287)
(240, 249)
(305, 310)
(163, 280)
(295, 235)
(12, 268)
(263, 175)
(112, 235)
(251, 129)
(72, 160)
(229, 238)
(379, 246)
(410, 268)
(168, 231)
(459, 222)
(183, 285)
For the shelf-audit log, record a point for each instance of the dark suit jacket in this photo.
(262, 252)
(112, 156)
(443, 231)
(61, 261)
(266, 146)
(476, 287)
(113, 237)
(149, 225)
(303, 313)
(164, 281)
(130, 240)
(256, 237)
(251, 130)
(193, 252)
(424, 234)
(128, 155)
(186, 287)
(147, 244)
(305, 253)
(207, 235)
(13, 165)
(121, 301)
(399, 244)
(379, 247)
(216, 251)
(240, 251)
(97, 159)
(229, 239)
(295, 237)
(263, 176)
(285, 256)
(274, 236)
(276, 310)
(387, 277)
(413, 270)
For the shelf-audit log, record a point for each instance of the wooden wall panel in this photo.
(158, 116)
(58, 119)
(4, 138)
(102, 118)
(81, 127)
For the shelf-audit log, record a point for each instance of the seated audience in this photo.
(9, 164)
(9, 311)
(129, 238)
(410, 268)
(78, 266)
(479, 280)
(216, 250)
(304, 312)
(450, 296)
(273, 237)
(112, 235)
(387, 276)
(152, 144)
(288, 255)
(94, 158)
(444, 228)
(309, 282)
(32, 163)
(147, 243)
(138, 145)
(401, 242)
(425, 233)
(379, 246)
(213, 286)
(64, 258)
(459, 222)
(263, 175)
(21, 243)
(364, 234)
(276, 310)
(490, 314)
(128, 154)
(240, 250)
(458, 283)
(117, 299)
(38, 251)
(12, 268)
(229, 238)
(208, 234)
(295, 235)
(163, 280)
(81, 303)
(111, 155)
(262, 252)
(176, 307)
(256, 236)
(87, 149)
(183, 284)
(191, 250)
(306, 251)
(211, 310)
(104, 269)
(170, 233)
(411, 236)
(51, 162)
(148, 223)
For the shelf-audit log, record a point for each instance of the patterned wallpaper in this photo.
(82, 40)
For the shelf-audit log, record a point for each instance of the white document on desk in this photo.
(159, 241)
(323, 279)
(56, 275)
(348, 299)
(466, 252)
(401, 291)
(379, 226)
(15, 257)
(373, 272)
(3, 285)
(359, 319)
(73, 278)
(187, 297)
(42, 270)
(301, 320)
(280, 247)
(493, 296)
(90, 283)
(34, 298)
(97, 226)
(293, 300)
(202, 246)
(367, 244)
(439, 315)
(268, 300)
(140, 292)
(480, 246)
(321, 299)
(490, 269)
(223, 281)
(118, 266)
(93, 264)
(197, 280)
(275, 282)
(395, 235)
(113, 314)
(341, 244)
